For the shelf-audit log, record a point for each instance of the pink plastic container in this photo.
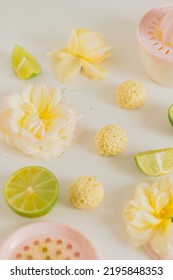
(155, 38)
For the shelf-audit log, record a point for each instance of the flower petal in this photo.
(25, 95)
(40, 97)
(139, 237)
(161, 201)
(4, 123)
(88, 42)
(141, 226)
(12, 101)
(53, 147)
(144, 203)
(31, 122)
(162, 241)
(68, 68)
(99, 54)
(81, 31)
(58, 54)
(72, 44)
(15, 120)
(144, 220)
(93, 71)
(24, 146)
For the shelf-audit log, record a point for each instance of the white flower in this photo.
(37, 121)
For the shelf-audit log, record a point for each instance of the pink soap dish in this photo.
(155, 38)
(47, 241)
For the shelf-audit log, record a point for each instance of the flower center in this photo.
(166, 212)
(44, 115)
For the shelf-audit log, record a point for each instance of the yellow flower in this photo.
(85, 49)
(148, 216)
(37, 121)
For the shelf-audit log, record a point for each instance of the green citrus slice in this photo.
(170, 114)
(24, 64)
(155, 162)
(31, 191)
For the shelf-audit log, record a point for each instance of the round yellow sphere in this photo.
(110, 140)
(86, 192)
(131, 94)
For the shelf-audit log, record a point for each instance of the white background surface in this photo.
(42, 26)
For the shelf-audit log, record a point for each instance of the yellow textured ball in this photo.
(86, 192)
(110, 140)
(131, 94)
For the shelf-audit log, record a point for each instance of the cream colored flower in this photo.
(37, 121)
(148, 216)
(85, 49)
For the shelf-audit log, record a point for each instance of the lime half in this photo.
(31, 191)
(170, 114)
(24, 64)
(155, 162)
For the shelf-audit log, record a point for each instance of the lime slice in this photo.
(31, 191)
(155, 162)
(24, 64)
(170, 114)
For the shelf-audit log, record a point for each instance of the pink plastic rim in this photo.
(146, 35)
(21, 238)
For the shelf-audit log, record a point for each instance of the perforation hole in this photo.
(69, 247)
(161, 48)
(153, 22)
(77, 254)
(18, 256)
(158, 18)
(47, 258)
(58, 252)
(36, 242)
(168, 51)
(48, 240)
(26, 248)
(156, 43)
(29, 257)
(151, 27)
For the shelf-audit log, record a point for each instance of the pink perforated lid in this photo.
(47, 241)
(150, 34)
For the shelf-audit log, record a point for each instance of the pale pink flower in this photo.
(37, 121)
